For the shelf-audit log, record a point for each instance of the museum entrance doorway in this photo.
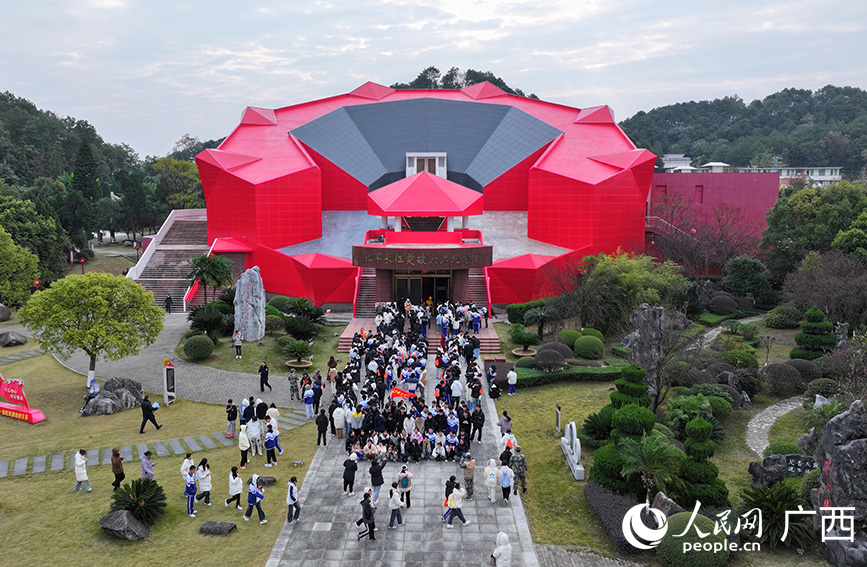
(418, 286)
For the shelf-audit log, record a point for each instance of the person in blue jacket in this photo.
(254, 497)
(190, 490)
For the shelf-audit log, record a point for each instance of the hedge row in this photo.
(610, 509)
(515, 311)
(533, 377)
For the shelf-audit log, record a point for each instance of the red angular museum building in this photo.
(382, 194)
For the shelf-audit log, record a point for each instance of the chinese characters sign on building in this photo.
(404, 258)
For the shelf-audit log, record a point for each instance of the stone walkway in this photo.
(423, 540)
(23, 465)
(760, 425)
(10, 358)
(554, 556)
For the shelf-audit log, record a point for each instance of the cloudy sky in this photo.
(145, 72)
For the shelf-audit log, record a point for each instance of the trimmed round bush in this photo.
(564, 350)
(808, 369)
(273, 324)
(750, 383)
(832, 366)
(631, 389)
(809, 481)
(607, 464)
(814, 315)
(525, 362)
(823, 387)
(633, 419)
(799, 352)
(549, 360)
(589, 347)
(782, 448)
(712, 390)
(670, 549)
(199, 347)
(718, 367)
(272, 311)
(722, 305)
(748, 331)
(712, 495)
(588, 332)
(719, 407)
(633, 373)
(699, 429)
(781, 378)
(664, 430)
(699, 450)
(281, 303)
(284, 340)
(619, 399)
(784, 317)
(698, 472)
(568, 337)
(739, 358)
(815, 342)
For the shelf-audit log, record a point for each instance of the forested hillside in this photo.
(804, 128)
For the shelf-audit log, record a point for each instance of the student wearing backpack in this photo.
(491, 471)
(455, 502)
(507, 479)
(404, 485)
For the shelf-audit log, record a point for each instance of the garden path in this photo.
(759, 426)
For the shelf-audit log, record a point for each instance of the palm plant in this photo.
(207, 319)
(304, 307)
(211, 270)
(652, 458)
(143, 497)
(301, 327)
(539, 316)
(296, 350)
(773, 502)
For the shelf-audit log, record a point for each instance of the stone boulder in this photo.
(250, 305)
(12, 338)
(775, 468)
(105, 403)
(129, 391)
(842, 454)
(217, 528)
(737, 397)
(123, 525)
(729, 378)
(808, 442)
(666, 504)
(5, 313)
(266, 480)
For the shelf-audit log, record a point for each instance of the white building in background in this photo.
(671, 162)
(819, 176)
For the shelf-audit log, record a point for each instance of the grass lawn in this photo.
(785, 342)
(268, 350)
(105, 264)
(44, 508)
(555, 504)
(788, 427)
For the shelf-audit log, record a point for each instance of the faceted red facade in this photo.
(584, 190)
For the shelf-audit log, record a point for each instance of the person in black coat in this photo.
(147, 414)
(477, 418)
(231, 417)
(249, 410)
(321, 428)
(506, 457)
(376, 480)
(263, 377)
(350, 467)
(368, 511)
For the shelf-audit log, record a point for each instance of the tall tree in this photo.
(212, 271)
(101, 314)
(18, 268)
(85, 177)
(31, 228)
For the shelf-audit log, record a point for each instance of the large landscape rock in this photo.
(217, 528)
(106, 402)
(842, 455)
(12, 338)
(668, 506)
(266, 480)
(123, 525)
(775, 468)
(5, 313)
(250, 305)
(116, 395)
(132, 389)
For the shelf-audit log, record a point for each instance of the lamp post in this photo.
(81, 261)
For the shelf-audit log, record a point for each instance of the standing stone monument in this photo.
(645, 342)
(842, 332)
(250, 305)
(571, 446)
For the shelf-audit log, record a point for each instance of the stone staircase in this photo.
(476, 290)
(166, 271)
(365, 303)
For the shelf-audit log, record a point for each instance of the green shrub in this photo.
(719, 407)
(620, 351)
(297, 349)
(85, 253)
(699, 450)
(698, 472)
(549, 360)
(633, 420)
(524, 362)
(526, 339)
(782, 379)
(301, 327)
(630, 389)
(598, 426)
(832, 366)
(722, 305)
(683, 409)
(699, 429)
(515, 311)
(782, 448)
(284, 340)
(564, 350)
(589, 347)
(773, 502)
(664, 430)
(588, 332)
(750, 384)
(712, 390)
(711, 495)
(272, 311)
(739, 358)
(528, 377)
(808, 369)
(670, 549)
(304, 307)
(607, 464)
(143, 497)
(709, 319)
(799, 352)
(634, 373)
(273, 324)
(280, 302)
(680, 391)
(568, 337)
(815, 342)
(823, 387)
(748, 331)
(816, 336)
(784, 317)
(793, 483)
(199, 347)
(809, 481)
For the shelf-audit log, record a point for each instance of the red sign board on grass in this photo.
(13, 391)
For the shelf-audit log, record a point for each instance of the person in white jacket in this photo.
(236, 485)
(81, 471)
(293, 500)
(203, 475)
(503, 552)
(457, 501)
(491, 471)
(395, 504)
(339, 417)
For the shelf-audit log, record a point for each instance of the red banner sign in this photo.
(13, 391)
